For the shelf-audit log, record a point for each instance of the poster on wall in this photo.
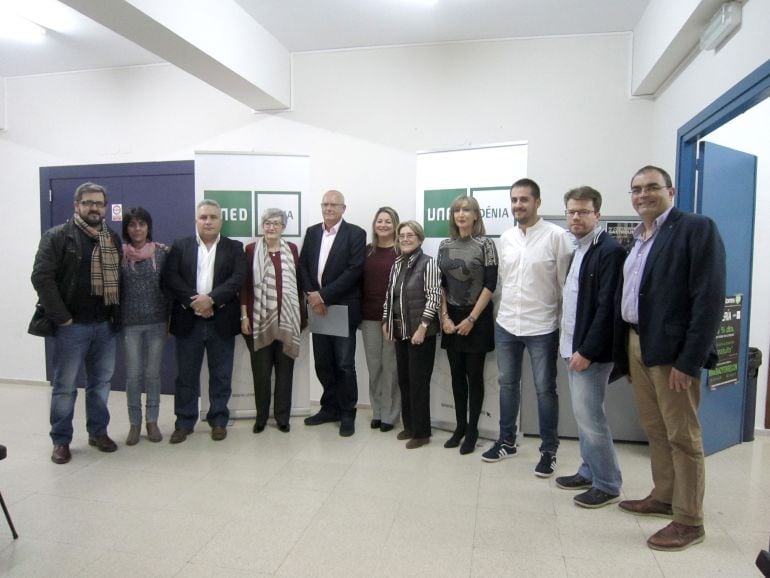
(728, 344)
(485, 173)
(244, 185)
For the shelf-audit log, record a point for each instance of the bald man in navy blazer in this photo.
(671, 304)
(331, 264)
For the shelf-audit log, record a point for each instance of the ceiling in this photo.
(310, 25)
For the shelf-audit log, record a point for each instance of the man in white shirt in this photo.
(534, 259)
(203, 274)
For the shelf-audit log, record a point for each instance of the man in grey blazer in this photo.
(671, 305)
(331, 264)
(203, 275)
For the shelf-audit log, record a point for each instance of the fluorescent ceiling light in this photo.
(724, 22)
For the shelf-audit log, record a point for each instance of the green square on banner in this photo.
(236, 212)
(436, 215)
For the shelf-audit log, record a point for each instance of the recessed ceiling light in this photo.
(15, 27)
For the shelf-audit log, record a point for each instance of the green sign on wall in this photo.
(236, 212)
(436, 210)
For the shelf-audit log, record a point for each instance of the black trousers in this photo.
(335, 366)
(467, 384)
(415, 368)
(263, 362)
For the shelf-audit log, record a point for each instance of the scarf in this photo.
(132, 256)
(269, 323)
(105, 262)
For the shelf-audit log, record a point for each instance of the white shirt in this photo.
(570, 294)
(533, 267)
(327, 240)
(205, 274)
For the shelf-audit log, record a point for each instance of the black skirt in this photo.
(481, 339)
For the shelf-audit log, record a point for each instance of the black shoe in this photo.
(321, 417)
(61, 454)
(547, 465)
(595, 498)
(375, 424)
(179, 436)
(576, 482)
(469, 443)
(386, 427)
(284, 427)
(454, 441)
(103, 443)
(258, 428)
(347, 427)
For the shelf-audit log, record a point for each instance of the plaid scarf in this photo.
(105, 262)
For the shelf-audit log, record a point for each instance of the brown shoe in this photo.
(179, 436)
(676, 537)
(647, 507)
(218, 433)
(416, 443)
(103, 443)
(61, 454)
(404, 435)
(153, 433)
(133, 435)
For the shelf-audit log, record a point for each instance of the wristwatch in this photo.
(424, 324)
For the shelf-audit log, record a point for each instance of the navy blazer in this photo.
(180, 278)
(600, 272)
(341, 282)
(681, 297)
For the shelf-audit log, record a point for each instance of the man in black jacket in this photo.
(586, 345)
(203, 275)
(670, 309)
(76, 276)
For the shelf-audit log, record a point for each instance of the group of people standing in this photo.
(652, 315)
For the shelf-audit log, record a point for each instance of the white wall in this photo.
(360, 115)
(708, 76)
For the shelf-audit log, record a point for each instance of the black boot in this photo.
(458, 434)
(469, 443)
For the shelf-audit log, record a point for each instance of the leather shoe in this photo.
(61, 454)
(321, 417)
(649, 506)
(676, 536)
(386, 427)
(179, 436)
(284, 427)
(376, 423)
(347, 428)
(404, 435)
(258, 428)
(103, 443)
(218, 433)
(416, 443)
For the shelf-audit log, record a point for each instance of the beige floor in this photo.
(311, 503)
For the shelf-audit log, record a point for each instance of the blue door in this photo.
(726, 193)
(165, 189)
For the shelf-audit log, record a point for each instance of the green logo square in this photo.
(237, 220)
(436, 210)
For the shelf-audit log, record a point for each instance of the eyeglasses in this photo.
(407, 236)
(331, 205)
(651, 188)
(272, 224)
(579, 213)
(90, 204)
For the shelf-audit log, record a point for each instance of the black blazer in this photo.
(180, 280)
(600, 272)
(681, 297)
(342, 274)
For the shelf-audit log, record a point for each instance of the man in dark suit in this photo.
(331, 263)
(671, 306)
(203, 275)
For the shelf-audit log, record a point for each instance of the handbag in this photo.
(41, 325)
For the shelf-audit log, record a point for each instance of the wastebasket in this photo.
(749, 410)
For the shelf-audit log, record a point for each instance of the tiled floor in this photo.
(311, 503)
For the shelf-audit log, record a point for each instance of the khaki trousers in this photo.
(670, 420)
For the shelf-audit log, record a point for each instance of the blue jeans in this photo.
(335, 366)
(543, 351)
(143, 346)
(189, 359)
(92, 345)
(600, 463)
